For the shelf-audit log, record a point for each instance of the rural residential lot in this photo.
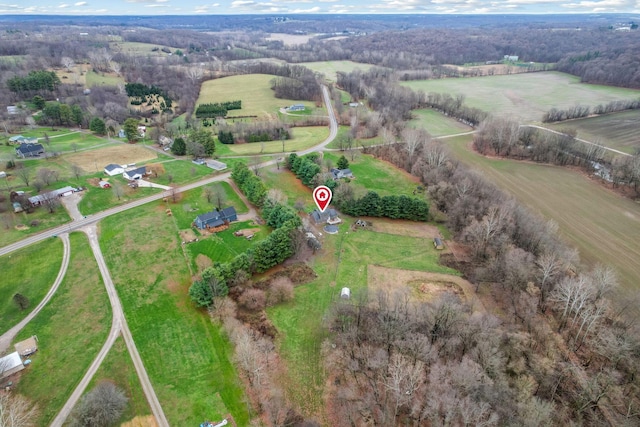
(163, 255)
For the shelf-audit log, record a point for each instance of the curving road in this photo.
(7, 337)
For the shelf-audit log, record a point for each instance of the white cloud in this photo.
(81, 3)
(62, 6)
(315, 9)
(240, 3)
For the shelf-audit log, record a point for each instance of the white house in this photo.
(113, 169)
(134, 174)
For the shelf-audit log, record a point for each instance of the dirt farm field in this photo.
(422, 285)
(96, 160)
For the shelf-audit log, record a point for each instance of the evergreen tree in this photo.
(131, 129)
(343, 163)
(179, 147)
(98, 126)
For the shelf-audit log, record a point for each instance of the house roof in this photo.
(9, 362)
(27, 347)
(323, 216)
(16, 138)
(42, 197)
(215, 217)
(30, 148)
(141, 170)
(112, 166)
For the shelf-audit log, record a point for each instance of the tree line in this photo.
(35, 81)
(217, 109)
(580, 111)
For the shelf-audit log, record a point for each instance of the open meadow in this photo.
(20, 274)
(254, 90)
(524, 96)
(604, 226)
(436, 123)
(187, 357)
(616, 130)
(71, 329)
(330, 68)
(121, 154)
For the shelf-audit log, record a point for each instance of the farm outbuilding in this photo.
(27, 347)
(437, 243)
(113, 169)
(345, 293)
(10, 364)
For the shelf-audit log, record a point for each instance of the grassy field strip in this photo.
(186, 356)
(303, 138)
(604, 226)
(525, 96)
(22, 275)
(436, 123)
(71, 329)
(118, 368)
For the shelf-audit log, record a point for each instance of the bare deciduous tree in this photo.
(101, 407)
(16, 410)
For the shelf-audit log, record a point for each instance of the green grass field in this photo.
(343, 262)
(60, 141)
(303, 138)
(376, 175)
(39, 220)
(139, 48)
(71, 329)
(94, 79)
(525, 96)
(97, 199)
(617, 130)
(188, 358)
(179, 172)
(118, 368)
(600, 223)
(224, 246)
(31, 272)
(330, 68)
(436, 123)
(254, 90)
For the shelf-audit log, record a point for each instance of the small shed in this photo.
(104, 184)
(345, 293)
(437, 243)
(27, 347)
(10, 364)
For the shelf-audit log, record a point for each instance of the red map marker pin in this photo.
(322, 196)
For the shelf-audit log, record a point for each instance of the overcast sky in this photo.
(193, 7)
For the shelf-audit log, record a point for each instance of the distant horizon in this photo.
(155, 8)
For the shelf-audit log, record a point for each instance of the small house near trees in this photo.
(215, 219)
(341, 173)
(329, 216)
(10, 364)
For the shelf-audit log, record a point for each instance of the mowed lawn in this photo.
(436, 123)
(302, 138)
(525, 96)
(604, 226)
(617, 130)
(342, 262)
(331, 68)
(254, 90)
(71, 329)
(188, 358)
(31, 272)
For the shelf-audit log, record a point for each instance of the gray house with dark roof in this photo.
(29, 150)
(216, 218)
(329, 216)
(341, 173)
(133, 174)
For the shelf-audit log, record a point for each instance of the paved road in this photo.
(118, 324)
(7, 337)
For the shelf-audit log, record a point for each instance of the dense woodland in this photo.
(555, 348)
